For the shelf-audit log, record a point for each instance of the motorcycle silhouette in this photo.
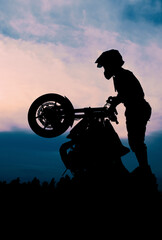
(93, 138)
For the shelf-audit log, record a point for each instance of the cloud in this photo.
(134, 20)
(62, 21)
(29, 28)
(48, 4)
(149, 11)
(30, 69)
(52, 46)
(28, 19)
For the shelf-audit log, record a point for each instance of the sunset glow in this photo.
(46, 49)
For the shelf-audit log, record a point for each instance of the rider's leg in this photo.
(141, 155)
(136, 138)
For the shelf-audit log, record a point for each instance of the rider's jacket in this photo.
(128, 87)
(130, 93)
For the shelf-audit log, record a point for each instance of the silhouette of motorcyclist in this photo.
(130, 93)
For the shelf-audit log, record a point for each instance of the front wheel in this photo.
(50, 115)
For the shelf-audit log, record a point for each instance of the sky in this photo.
(51, 46)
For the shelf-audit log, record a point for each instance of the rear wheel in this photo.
(51, 115)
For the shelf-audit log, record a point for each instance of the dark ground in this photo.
(136, 188)
(85, 205)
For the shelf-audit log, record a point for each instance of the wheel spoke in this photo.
(39, 116)
(45, 126)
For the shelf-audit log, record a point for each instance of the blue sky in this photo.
(64, 18)
(51, 46)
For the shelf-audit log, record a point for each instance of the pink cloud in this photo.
(29, 70)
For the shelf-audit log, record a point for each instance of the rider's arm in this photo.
(117, 100)
(114, 101)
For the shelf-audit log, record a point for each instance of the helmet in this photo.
(112, 57)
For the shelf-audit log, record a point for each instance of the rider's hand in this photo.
(112, 101)
(112, 110)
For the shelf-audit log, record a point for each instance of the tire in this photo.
(50, 115)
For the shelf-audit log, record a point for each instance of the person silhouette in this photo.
(131, 94)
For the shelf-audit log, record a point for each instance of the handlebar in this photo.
(98, 111)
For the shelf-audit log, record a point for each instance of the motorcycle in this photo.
(93, 138)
